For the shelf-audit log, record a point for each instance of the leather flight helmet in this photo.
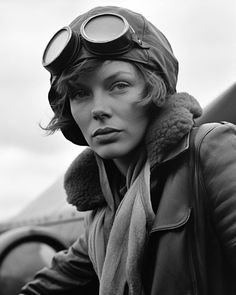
(152, 49)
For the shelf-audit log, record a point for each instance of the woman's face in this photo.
(105, 108)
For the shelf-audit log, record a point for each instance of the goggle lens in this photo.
(104, 29)
(56, 46)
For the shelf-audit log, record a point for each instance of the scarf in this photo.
(118, 237)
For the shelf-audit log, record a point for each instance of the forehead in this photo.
(115, 66)
(108, 69)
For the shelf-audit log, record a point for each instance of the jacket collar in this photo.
(181, 147)
(166, 139)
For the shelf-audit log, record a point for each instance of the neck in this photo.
(123, 163)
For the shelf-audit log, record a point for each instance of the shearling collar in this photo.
(173, 122)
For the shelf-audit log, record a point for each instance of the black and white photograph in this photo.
(118, 147)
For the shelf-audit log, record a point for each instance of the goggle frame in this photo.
(74, 42)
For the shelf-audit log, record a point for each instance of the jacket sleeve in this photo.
(71, 272)
(218, 166)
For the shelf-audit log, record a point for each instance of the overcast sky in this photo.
(202, 34)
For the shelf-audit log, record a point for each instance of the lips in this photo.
(103, 131)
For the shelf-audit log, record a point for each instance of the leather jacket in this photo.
(192, 244)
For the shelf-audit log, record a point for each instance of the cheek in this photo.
(140, 127)
(74, 110)
(137, 124)
(80, 116)
(137, 116)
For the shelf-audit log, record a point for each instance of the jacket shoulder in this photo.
(207, 132)
(217, 168)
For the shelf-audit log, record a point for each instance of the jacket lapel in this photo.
(175, 205)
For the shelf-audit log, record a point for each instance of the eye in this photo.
(119, 86)
(80, 94)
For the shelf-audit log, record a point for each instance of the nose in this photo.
(101, 109)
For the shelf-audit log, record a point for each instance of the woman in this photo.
(147, 231)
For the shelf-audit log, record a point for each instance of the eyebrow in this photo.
(116, 74)
(106, 80)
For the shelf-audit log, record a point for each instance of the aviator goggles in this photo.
(106, 34)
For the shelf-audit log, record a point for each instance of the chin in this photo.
(111, 152)
(108, 155)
